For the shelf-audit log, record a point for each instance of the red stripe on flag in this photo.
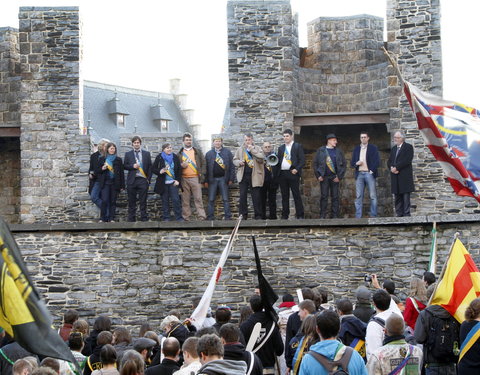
(219, 273)
(460, 189)
(462, 285)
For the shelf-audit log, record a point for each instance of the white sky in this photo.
(144, 45)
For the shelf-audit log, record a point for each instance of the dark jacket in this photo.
(236, 352)
(373, 159)
(292, 347)
(403, 181)
(274, 345)
(90, 343)
(470, 362)
(118, 173)
(93, 361)
(199, 161)
(91, 170)
(167, 367)
(12, 351)
(158, 164)
(320, 163)
(297, 156)
(364, 312)
(227, 160)
(180, 332)
(130, 161)
(293, 326)
(351, 328)
(422, 329)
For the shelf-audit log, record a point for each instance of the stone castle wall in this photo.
(140, 272)
(9, 77)
(343, 68)
(260, 59)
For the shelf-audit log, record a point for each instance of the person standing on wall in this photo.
(268, 193)
(193, 174)
(401, 173)
(138, 163)
(167, 167)
(329, 167)
(111, 178)
(249, 160)
(220, 175)
(365, 160)
(291, 160)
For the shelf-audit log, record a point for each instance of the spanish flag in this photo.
(460, 283)
(23, 315)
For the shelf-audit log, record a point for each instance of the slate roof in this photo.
(140, 105)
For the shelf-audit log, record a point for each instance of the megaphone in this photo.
(271, 160)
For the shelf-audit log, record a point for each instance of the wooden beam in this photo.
(10, 132)
(341, 118)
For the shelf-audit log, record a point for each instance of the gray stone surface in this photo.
(136, 272)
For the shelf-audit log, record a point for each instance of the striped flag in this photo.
(200, 313)
(452, 133)
(23, 315)
(459, 284)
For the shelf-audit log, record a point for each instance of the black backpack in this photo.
(342, 363)
(443, 341)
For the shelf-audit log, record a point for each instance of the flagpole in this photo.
(455, 238)
(433, 250)
(394, 64)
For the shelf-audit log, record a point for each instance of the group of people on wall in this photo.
(257, 169)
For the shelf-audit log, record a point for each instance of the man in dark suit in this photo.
(291, 160)
(171, 352)
(138, 163)
(365, 160)
(401, 172)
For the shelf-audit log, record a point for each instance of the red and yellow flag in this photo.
(460, 283)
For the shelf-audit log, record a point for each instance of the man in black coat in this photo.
(138, 163)
(171, 352)
(291, 160)
(269, 344)
(401, 173)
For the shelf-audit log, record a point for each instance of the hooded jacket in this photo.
(223, 367)
(351, 328)
(236, 352)
(328, 348)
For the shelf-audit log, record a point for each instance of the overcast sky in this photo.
(144, 45)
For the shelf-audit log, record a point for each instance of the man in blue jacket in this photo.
(329, 166)
(328, 326)
(365, 160)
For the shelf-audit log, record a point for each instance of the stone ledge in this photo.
(171, 225)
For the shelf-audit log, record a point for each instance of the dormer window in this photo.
(117, 112)
(161, 117)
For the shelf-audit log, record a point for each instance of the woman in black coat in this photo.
(169, 174)
(111, 177)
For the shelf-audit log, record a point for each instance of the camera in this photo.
(367, 278)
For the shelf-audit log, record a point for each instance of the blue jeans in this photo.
(95, 194)
(171, 192)
(218, 183)
(365, 179)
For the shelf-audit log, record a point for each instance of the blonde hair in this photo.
(418, 290)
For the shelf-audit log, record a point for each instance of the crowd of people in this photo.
(376, 334)
(258, 170)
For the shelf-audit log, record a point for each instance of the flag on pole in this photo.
(433, 250)
(452, 133)
(269, 297)
(23, 315)
(459, 283)
(200, 313)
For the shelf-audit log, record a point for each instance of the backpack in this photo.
(443, 338)
(341, 364)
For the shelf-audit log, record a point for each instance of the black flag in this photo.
(23, 315)
(269, 297)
